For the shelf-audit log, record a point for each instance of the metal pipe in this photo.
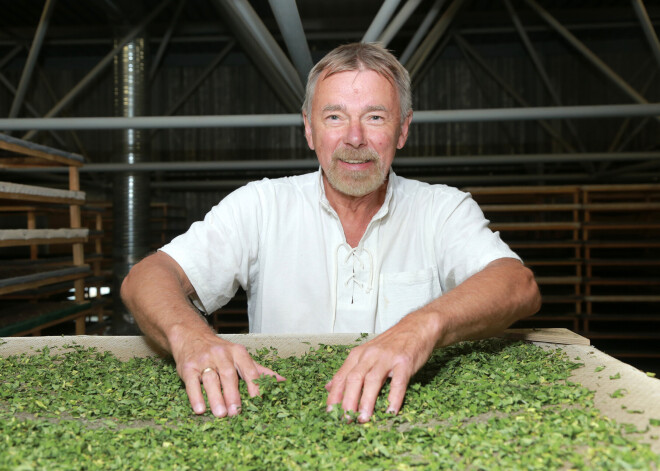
(295, 119)
(539, 67)
(313, 164)
(647, 26)
(454, 180)
(155, 63)
(436, 33)
(288, 20)
(609, 25)
(331, 35)
(380, 20)
(397, 23)
(586, 52)
(131, 192)
(410, 49)
(100, 67)
(26, 76)
(463, 44)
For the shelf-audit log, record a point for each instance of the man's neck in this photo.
(355, 212)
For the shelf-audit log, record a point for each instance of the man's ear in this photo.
(308, 131)
(403, 136)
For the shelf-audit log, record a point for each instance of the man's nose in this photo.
(355, 135)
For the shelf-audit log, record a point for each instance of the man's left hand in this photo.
(397, 353)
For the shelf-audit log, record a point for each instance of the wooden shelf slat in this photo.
(42, 278)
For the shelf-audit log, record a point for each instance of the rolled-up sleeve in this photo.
(465, 244)
(216, 253)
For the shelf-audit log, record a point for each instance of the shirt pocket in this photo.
(401, 293)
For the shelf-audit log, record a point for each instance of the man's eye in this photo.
(376, 118)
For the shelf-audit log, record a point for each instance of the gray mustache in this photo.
(355, 154)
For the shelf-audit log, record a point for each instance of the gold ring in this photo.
(206, 370)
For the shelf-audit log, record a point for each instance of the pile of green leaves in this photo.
(478, 405)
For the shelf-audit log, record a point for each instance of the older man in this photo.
(350, 248)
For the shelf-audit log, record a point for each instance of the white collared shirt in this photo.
(282, 241)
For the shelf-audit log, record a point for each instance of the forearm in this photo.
(485, 304)
(157, 294)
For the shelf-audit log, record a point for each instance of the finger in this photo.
(253, 387)
(373, 383)
(247, 369)
(336, 390)
(229, 382)
(353, 389)
(267, 371)
(398, 387)
(194, 391)
(213, 393)
(335, 386)
(249, 374)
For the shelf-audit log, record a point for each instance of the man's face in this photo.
(355, 129)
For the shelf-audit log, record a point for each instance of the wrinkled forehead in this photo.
(364, 88)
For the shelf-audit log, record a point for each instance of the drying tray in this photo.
(642, 391)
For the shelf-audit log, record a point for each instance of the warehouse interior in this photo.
(137, 117)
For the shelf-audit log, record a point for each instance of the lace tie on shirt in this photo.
(356, 253)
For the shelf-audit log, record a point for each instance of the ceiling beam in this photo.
(165, 40)
(295, 119)
(540, 68)
(266, 54)
(288, 20)
(100, 67)
(415, 63)
(397, 23)
(647, 27)
(380, 20)
(509, 90)
(587, 53)
(399, 162)
(33, 55)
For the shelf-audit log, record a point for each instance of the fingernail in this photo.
(199, 408)
(390, 411)
(233, 409)
(363, 417)
(220, 411)
(329, 408)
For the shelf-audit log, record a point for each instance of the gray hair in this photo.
(361, 56)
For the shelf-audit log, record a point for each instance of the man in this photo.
(350, 248)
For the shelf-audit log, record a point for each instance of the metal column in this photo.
(131, 197)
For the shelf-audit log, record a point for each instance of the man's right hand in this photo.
(157, 292)
(217, 364)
